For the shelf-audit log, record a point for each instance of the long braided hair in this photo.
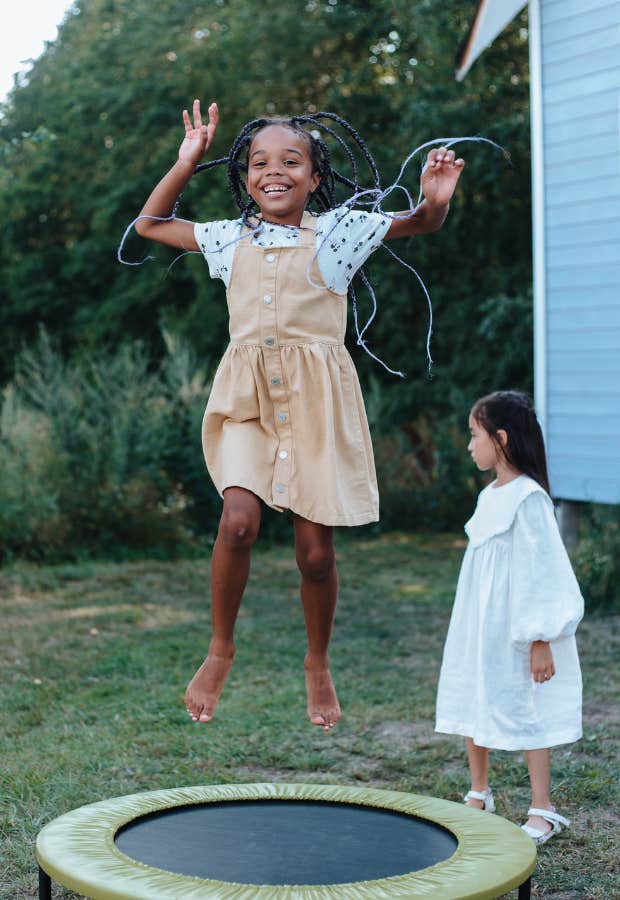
(309, 127)
(323, 198)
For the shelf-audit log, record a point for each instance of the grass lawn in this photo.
(94, 660)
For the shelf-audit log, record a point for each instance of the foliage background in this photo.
(96, 122)
(106, 367)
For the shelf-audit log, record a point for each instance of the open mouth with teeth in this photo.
(275, 189)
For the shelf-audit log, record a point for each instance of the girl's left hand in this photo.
(440, 175)
(541, 662)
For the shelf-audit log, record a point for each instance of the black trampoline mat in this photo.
(285, 842)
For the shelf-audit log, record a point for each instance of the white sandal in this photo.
(485, 796)
(549, 815)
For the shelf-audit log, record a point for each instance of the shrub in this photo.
(95, 457)
(426, 479)
(597, 558)
(29, 502)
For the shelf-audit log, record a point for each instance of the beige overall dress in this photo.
(285, 418)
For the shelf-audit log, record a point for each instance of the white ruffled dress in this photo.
(516, 586)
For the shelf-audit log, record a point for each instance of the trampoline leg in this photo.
(525, 890)
(45, 885)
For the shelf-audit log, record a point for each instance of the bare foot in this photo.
(323, 706)
(205, 688)
(477, 804)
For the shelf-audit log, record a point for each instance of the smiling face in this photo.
(281, 175)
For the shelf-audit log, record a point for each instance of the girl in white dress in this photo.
(510, 676)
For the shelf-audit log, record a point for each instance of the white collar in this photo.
(497, 508)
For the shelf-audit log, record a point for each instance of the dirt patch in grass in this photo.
(402, 737)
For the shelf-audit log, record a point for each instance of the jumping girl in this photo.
(285, 423)
(510, 677)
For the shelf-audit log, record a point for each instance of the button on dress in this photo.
(285, 418)
(516, 586)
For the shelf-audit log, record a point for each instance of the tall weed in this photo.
(95, 457)
(103, 458)
(29, 476)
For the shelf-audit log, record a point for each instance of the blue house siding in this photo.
(580, 46)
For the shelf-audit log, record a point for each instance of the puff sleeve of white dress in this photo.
(516, 586)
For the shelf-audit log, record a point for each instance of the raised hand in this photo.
(440, 175)
(198, 138)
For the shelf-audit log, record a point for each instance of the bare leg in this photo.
(314, 548)
(539, 768)
(478, 758)
(230, 567)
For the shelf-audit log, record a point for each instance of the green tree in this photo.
(85, 135)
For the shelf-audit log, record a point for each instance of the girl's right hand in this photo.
(541, 662)
(198, 138)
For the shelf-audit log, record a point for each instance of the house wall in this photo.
(579, 45)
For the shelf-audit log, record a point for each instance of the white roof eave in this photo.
(491, 18)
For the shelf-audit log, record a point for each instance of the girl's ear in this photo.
(502, 437)
(314, 182)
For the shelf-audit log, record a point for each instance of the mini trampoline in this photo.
(283, 841)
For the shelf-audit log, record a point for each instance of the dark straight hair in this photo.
(512, 412)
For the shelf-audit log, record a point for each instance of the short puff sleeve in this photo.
(545, 600)
(217, 244)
